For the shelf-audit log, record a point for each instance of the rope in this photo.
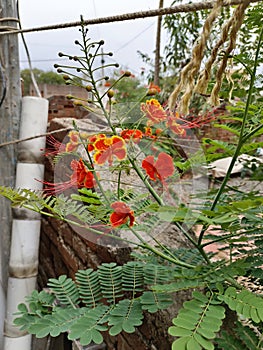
(187, 79)
(34, 137)
(191, 7)
(238, 17)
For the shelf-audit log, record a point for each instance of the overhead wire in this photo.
(27, 54)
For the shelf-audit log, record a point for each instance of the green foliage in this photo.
(100, 292)
(239, 337)
(245, 303)
(197, 323)
(114, 298)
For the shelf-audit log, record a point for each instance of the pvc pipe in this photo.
(33, 122)
(23, 262)
(20, 343)
(24, 248)
(18, 289)
(26, 175)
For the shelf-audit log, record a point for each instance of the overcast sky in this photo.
(123, 38)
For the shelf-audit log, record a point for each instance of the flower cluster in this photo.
(108, 149)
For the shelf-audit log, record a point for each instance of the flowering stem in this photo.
(146, 182)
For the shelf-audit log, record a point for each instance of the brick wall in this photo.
(61, 107)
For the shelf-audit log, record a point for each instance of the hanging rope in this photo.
(188, 75)
(191, 7)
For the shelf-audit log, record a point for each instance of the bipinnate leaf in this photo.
(197, 323)
(89, 287)
(244, 303)
(153, 302)
(88, 327)
(110, 278)
(65, 290)
(125, 317)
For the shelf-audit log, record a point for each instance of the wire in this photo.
(135, 37)
(190, 7)
(27, 54)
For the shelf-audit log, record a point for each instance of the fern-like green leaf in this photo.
(244, 303)
(88, 327)
(125, 317)
(65, 290)
(55, 324)
(110, 277)
(153, 302)
(89, 287)
(132, 277)
(239, 337)
(197, 323)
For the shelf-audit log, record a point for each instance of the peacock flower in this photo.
(121, 215)
(153, 111)
(173, 125)
(54, 146)
(92, 139)
(81, 177)
(132, 134)
(153, 89)
(149, 132)
(159, 170)
(75, 139)
(108, 147)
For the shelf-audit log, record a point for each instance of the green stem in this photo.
(159, 253)
(241, 135)
(145, 181)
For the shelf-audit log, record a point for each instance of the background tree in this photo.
(41, 77)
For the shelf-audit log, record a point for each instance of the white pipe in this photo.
(24, 247)
(20, 343)
(23, 262)
(18, 289)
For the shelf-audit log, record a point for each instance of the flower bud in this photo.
(60, 54)
(89, 88)
(152, 92)
(126, 73)
(78, 103)
(110, 93)
(66, 77)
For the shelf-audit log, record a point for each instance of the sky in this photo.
(124, 39)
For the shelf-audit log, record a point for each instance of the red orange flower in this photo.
(159, 170)
(157, 88)
(81, 177)
(174, 126)
(121, 215)
(54, 146)
(92, 139)
(135, 135)
(108, 147)
(153, 111)
(75, 139)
